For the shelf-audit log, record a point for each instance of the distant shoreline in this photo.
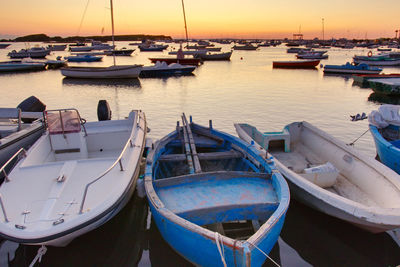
(73, 39)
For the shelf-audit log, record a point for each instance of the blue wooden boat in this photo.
(387, 143)
(214, 198)
(83, 58)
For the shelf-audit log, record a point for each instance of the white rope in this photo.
(221, 251)
(41, 251)
(264, 254)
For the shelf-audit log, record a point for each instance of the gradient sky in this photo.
(205, 18)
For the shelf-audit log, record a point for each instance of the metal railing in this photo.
(81, 121)
(119, 160)
(21, 150)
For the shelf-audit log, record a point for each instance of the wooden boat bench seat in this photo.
(232, 154)
(219, 196)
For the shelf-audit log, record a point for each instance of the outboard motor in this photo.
(31, 104)
(103, 110)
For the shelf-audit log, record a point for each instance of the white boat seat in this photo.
(277, 136)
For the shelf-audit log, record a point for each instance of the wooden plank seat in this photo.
(232, 154)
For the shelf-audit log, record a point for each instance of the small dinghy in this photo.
(73, 179)
(161, 69)
(385, 129)
(215, 200)
(326, 174)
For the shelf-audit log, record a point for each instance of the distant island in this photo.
(59, 39)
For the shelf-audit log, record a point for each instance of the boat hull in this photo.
(183, 61)
(380, 86)
(132, 71)
(149, 72)
(301, 64)
(22, 67)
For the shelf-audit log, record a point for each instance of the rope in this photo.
(221, 251)
(83, 16)
(352, 143)
(41, 251)
(265, 254)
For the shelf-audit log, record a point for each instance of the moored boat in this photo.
(118, 71)
(76, 177)
(119, 52)
(296, 64)
(161, 69)
(363, 79)
(349, 68)
(330, 176)
(34, 52)
(83, 58)
(182, 61)
(18, 65)
(214, 56)
(245, 47)
(214, 199)
(387, 86)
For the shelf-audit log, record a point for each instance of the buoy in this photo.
(103, 110)
(370, 53)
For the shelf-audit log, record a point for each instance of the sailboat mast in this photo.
(184, 18)
(112, 29)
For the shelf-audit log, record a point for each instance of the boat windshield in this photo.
(63, 121)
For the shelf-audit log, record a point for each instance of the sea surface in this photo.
(244, 89)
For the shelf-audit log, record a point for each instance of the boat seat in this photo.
(232, 154)
(277, 136)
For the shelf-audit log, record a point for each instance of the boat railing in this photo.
(82, 121)
(129, 143)
(22, 152)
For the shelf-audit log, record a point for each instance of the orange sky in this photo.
(206, 18)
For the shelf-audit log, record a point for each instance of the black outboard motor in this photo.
(103, 110)
(31, 104)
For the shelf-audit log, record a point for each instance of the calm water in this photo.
(246, 89)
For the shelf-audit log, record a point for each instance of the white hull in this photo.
(342, 71)
(128, 71)
(71, 182)
(365, 193)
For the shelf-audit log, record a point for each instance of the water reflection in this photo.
(102, 82)
(322, 240)
(384, 99)
(346, 77)
(116, 243)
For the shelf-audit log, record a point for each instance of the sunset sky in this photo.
(205, 18)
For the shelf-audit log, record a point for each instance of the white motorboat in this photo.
(76, 177)
(330, 176)
(15, 133)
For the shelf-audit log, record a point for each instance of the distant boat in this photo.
(83, 58)
(76, 177)
(34, 52)
(312, 55)
(214, 199)
(377, 60)
(296, 64)
(349, 68)
(57, 47)
(119, 52)
(12, 66)
(161, 69)
(111, 72)
(152, 47)
(330, 176)
(182, 61)
(2, 45)
(245, 47)
(214, 56)
(363, 79)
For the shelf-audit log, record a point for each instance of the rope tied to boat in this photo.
(352, 143)
(41, 251)
(219, 243)
(265, 254)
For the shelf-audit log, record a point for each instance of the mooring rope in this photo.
(352, 143)
(265, 254)
(218, 241)
(41, 251)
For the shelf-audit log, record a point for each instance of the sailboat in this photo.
(111, 72)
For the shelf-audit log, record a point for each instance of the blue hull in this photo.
(183, 205)
(388, 152)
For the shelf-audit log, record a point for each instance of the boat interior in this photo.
(70, 138)
(208, 181)
(12, 121)
(307, 148)
(391, 134)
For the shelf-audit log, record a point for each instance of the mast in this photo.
(323, 30)
(112, 29)
(184, 18)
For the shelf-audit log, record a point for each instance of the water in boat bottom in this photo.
(130, 239)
